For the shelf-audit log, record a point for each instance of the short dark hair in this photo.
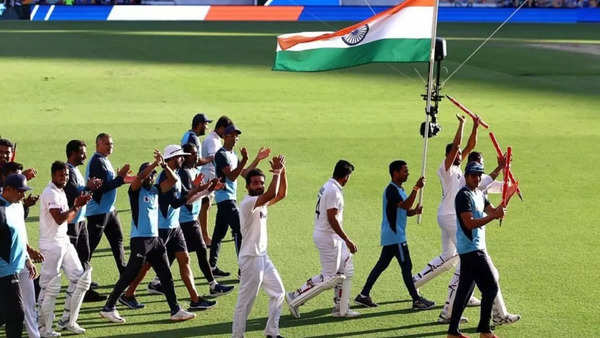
(449, 148)
(474, 156)
(101, 136)
(74, 146)
(6, 143)
(10, 168)
(252, 173)
(342, 169)
(189, 147)
(395, 166)
(223, 121)
(57, 166)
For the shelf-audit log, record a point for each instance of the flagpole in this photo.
(428, 104)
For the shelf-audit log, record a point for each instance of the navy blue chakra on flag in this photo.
(356, 36)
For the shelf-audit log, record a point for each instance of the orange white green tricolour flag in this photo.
(399, 34)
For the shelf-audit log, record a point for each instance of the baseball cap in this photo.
(144, 166)
(231, 129)
(17, 181)
(200, 118)
(474, 168)
(173, 150)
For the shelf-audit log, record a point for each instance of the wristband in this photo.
(277, 171)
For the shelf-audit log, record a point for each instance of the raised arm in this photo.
(170, 181)
(472, 142)
(139, 179)
(455, 143)
(261, 155)
(277, 165)
(282, 192)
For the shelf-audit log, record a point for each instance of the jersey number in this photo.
(319, 202)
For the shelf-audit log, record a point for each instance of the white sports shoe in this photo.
(506, 320)
(49, 334)
(182, 315)
(473, 301)
(113, 316)
(443, 319)
(76, 329)
(349, 314)
(289, 297)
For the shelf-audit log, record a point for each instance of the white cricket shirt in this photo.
(210, 146)
(451, 180)
(253, 225)
(52, 198)
(330, 197)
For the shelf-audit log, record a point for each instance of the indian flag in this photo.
(399, 34)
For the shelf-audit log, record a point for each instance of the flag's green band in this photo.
(385, 50)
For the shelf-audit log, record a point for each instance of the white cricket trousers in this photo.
(334, 255)
(257, 272)
(59, 254)
(28, 298)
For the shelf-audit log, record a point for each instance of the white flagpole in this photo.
(428, 105)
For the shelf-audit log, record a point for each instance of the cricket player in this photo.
(169, 230)
(227, 169)
(450, 176)
(211, 144)
(146, 246)
(335, 248)
(188, 220)
(397, 206)
(473, 212)
(60, 254)
(488, 184)
(77, 227)
(16, 254)
(100, 212)
(257, 270)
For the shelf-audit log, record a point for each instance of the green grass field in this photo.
(142, 83)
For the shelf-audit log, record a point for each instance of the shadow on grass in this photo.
(315, 317)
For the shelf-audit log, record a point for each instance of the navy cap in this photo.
(474, 168)
(16, 181)
(231, 129)
(200, 118)
(144, 166)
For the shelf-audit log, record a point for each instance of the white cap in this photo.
(173, 150)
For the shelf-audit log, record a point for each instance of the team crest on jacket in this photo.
(356, 36)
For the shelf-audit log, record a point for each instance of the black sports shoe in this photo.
(93, 285)
(220, 290)
(278, 336)
(93, 296)
(422, 304)
(220, 273)
(130, 302)
(364, 301)
(201, 304)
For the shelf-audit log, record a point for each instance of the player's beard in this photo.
(256, 192)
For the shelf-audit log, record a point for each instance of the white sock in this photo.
(213, 284)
